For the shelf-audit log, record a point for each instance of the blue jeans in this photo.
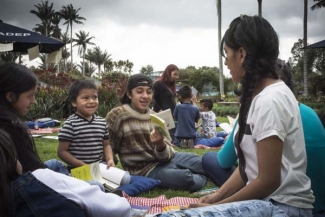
(57, 166)
(183, 172)
(210, 142)
(30, 197)
(251, 208)
(214, 171)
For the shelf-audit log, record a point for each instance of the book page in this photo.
(112, 176)
(161, 125)
(226, 127)
(167, 116)
(82, 173)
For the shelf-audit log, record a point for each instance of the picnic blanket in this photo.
(44, 130)
(157, 203)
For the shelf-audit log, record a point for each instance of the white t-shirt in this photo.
(275, 112)
(90, 198)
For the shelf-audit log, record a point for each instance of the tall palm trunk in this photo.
(259, 8)
(71, 45)
(83, 63)
(305, 50)
(221, 82)
(46, 56)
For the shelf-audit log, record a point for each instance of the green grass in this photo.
(47, 150)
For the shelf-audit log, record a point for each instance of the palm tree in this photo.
(8, 57)
(45, 13)
(97, 56)
(319, 4)
(70, 15)
(65, 54)
(305, 50)
(221, 82)
(259, 8)
(82, 41)
(56, 19)
(108, 65)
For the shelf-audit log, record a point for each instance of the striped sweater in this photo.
(129, 133)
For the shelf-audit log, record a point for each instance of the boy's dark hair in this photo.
(185, 92)
(207, 103)
(77, 86)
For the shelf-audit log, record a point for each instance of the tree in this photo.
(56, 19)
(82, 41)
(319, 4)
(147, 70)
(305, 50)
(65, 54)
(45, 13)
(88, 70)
(8, 57)
(97, 56)
(70, 15)
(221, 82)
(259, 8)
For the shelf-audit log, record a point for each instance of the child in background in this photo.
(208, 118)
(18, 86)
(84, 136)
(186, 115)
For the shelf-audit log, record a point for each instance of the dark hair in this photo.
(207, 103)
(166, 77)
(78, 85)
(260, 41)
(8, 170)
(284, 71)
(17, 79)
(133, 82)
(185, 91)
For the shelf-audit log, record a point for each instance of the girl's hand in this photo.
(211, 198)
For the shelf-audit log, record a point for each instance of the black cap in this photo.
(137, 80)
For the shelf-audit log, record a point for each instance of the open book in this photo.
(227, 127)
(164, 121)
(111, 178)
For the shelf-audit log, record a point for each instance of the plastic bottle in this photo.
(36, 125)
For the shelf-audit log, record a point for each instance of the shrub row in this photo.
(53, 102)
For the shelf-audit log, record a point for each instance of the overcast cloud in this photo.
(160, 32)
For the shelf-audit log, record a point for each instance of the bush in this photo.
(53, 102)
(231, 110)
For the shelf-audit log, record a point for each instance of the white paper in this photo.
(194, 91)
(231, 121)
(33, 52)
(112, 174)
(50, 137)
(226, 127)
(6, 47)
(55, 57)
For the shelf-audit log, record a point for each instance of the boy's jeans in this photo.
(251, 208)
(57, 166)
(183, 172)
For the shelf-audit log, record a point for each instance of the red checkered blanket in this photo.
(157, 203)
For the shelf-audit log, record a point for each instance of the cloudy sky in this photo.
(160, 32)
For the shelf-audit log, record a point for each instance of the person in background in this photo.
(142, 149)
(18, 86)
(44, 192)
(83, 137)
(187, 115)
(269, 138)
(165, 92)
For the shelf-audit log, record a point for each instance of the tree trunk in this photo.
(259, 8)
(71, 45)
(221, 81)
(46, 56)
(83, 64)
(305, 50)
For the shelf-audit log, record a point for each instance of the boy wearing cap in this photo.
(142, 149)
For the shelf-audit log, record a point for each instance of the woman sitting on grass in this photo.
(18, 86)
(47, 193)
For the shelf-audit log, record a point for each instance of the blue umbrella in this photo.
(23, 39)
(320, 44)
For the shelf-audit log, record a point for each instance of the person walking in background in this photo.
(18, 86)
(142, 149)
(165, 92)
(187, 115)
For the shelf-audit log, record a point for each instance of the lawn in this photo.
(47, 150)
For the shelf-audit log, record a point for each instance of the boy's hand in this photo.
(157, 139)
(110, 163)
